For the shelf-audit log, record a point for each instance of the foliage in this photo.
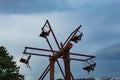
(8, 67)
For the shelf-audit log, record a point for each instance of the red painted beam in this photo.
(58, 51)
(50, 56)
(36, 54)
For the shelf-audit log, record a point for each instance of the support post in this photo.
(51, 70)
(66, 59)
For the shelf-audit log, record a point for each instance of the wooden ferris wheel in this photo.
(63, 53)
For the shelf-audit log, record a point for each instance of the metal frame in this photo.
(63, 53)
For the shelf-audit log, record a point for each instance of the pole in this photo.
(51, 70)
(66, 59)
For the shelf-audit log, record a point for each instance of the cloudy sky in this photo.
(21, 22)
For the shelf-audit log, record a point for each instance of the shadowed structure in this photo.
(63, 53)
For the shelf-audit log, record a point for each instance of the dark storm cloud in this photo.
(100, 20)
(109, 53)
(40, 6)
(30, 6)
(106, 20)
(108, 61)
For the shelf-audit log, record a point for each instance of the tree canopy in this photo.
(8, 68)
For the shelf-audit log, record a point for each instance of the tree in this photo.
(8, 68)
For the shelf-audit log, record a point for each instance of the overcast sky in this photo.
(21, 22)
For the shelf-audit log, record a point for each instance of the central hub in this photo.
(62, 52)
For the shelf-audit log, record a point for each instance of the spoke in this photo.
(56, 51)
(78, 59)
(47, 22)
(46, 70)
(57, 59)
(72, 76)
(82, 55)
(39, 49)
(36, 54)
(53, 35)
(71, 35)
